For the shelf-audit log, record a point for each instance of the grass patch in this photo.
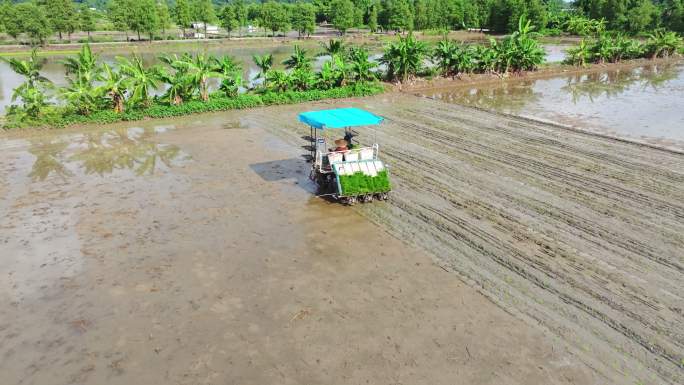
(42, 53)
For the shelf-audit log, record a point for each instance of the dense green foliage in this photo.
(128, 89)
(38, 20)
(612, 48)
(59, 117)
(102, 93)
(520, 51)
(360, 183)
(635, 15)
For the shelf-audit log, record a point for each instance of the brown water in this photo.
(643, 103)
(190, 251)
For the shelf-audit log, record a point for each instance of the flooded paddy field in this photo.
(579, 234)
(638, 103)
(192, 251)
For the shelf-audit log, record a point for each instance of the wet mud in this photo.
(191, 251)
(579, 234)
(637, 100)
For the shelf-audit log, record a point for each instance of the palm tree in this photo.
(264, 62)
(298, 59)
(138, 79)
(113, 88)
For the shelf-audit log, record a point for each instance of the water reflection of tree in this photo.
(508, 96)
(119, 149)
(48, 159)
(104, 152)
(614, 83)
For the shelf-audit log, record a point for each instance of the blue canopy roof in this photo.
(339, 118)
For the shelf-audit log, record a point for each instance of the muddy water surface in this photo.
(643, 103)
(192, 251)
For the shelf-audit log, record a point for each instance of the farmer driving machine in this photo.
(345, 171)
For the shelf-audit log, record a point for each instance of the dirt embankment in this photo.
(579, 234)
(125, 47)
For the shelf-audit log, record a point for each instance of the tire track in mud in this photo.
(579, 233)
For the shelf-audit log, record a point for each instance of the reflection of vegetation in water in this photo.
(613, 83)
(508, 96)
(48, 159)
(103, 152)
(122, 149)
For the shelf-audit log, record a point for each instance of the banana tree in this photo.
(298, 59)
(264, 62)
(464, 60)
(199, 70)
(139, 80)
(333, 47)
(360, 67)
(112, 88)
(278, 80)
(33, 101)
(404, 58)
(333, 73)
(579, 55)
(303, 79)
(662, 43)
(443, 56)
(85, 64)
(32, 91)
(179, 88)
(30, 69)
(231, 75)
(80, 94)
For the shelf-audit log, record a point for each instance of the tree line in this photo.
(150, 19)
(98, 92)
